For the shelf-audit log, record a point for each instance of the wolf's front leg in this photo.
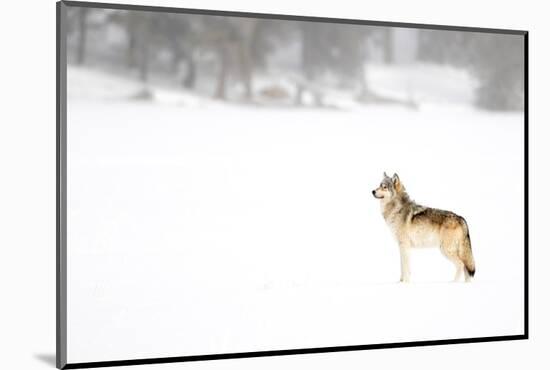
(405, 272)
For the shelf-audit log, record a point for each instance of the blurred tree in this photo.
(218, 35)
(496, 60)
(131, 20)
(234, 41)
(443, 47)
(246, 32)
(82, 35)
(268, 36)
(387, 44)
(336, 49)
(142, 31)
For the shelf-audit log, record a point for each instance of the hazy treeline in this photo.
(497, 60)
(226, 55)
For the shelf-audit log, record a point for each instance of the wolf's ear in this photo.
(385, 174)
(396, 181)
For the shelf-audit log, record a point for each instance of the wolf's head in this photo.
(389, 188)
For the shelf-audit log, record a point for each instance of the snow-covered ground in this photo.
(198, 227)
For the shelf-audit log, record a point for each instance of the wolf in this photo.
(414, 225)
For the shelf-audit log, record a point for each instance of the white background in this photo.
(28, 186)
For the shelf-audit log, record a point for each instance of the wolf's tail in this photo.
(467, 256)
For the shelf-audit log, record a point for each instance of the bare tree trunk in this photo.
(250, 37)
(144, 62)
(363, 86)
(222, 77)
(246, 67)
(307, 60)
(82, 35)
(144, 43)
(307, 57)
(131, 52)
(361, 75)
(191, 77)
(388, 46)
(132, 40)
(176, 53)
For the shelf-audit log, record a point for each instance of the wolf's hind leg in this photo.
(459, 269)
(450, 251)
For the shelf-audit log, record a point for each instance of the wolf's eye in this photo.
(384, 186)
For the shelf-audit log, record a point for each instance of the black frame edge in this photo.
(288, 17)
(238, 355)
(61, 185)
(526, 182)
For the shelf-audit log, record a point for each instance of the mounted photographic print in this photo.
(237, 185)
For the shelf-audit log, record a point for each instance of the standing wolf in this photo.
(416, 226)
